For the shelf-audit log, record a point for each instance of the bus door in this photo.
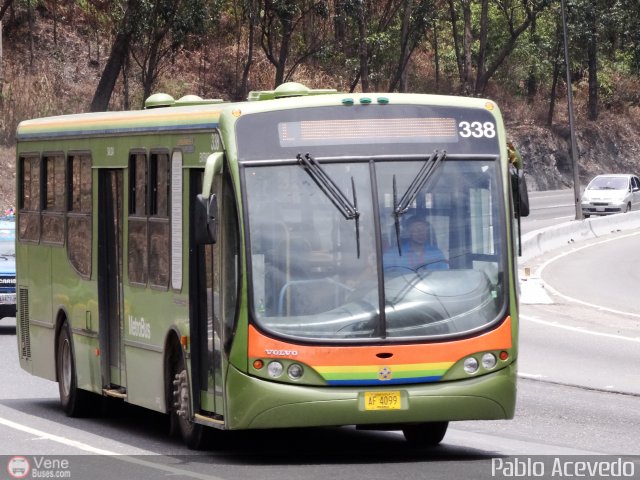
(110, 277)
(204, 304)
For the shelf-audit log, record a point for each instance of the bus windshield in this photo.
(433, 271)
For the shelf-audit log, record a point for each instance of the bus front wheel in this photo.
(73, 399)
(193, 434)
(425, 434)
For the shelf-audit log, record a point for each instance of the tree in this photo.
(5, 5)
(557, 65)
(246, 13)
(515, 19)
(162, 27)
(279, 25)
(587, 18)
(484, 44)
(119, 52)
(415, 18)
(462, 41)
(592, 60)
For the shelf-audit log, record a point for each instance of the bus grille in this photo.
(23, 314)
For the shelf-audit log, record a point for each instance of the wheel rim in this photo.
(66, 367)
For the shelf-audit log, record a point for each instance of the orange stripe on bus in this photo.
(450, 351)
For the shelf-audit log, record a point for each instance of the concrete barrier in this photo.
(544, 240)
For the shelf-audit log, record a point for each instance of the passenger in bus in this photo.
(417, 250)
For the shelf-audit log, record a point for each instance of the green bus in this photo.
(258, 265)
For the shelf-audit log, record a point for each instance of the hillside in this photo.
(67, 64)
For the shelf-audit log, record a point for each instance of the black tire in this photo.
(425, 434)
(72, 399)
(193, 434)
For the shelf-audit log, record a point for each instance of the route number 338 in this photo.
(477, 129)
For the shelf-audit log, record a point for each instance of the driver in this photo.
(416, 251)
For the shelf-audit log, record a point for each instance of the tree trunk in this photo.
(244, 83)
(119, 51)
(283, 55)
(363, 51)
(466, 46)
(30, 18)
(501, 55)
(403, 57)
(339, 28)
(151, 72)
(592, 55)
(5, 5)
(3, 10)
(482, 50)
(556, 75)
(532, 77)
(456, 42)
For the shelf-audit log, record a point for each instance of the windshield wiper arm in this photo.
(426, 172)
(330, 188)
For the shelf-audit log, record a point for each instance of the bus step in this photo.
(211, 421)
(115, 392)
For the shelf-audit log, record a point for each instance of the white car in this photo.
(613, 193)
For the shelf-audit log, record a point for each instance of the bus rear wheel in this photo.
(193, 434)
(72, 399)
(425, 434)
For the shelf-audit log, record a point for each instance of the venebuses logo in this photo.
(18, 467)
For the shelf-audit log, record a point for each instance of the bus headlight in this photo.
(275, 369)
(295, 371)
(471, 365)
(489, 361)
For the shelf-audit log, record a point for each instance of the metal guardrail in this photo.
(538, 242)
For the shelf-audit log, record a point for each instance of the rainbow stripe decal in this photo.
(384, 375)
(382, 364)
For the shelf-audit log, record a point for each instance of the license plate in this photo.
(7, 298)
(382, 400)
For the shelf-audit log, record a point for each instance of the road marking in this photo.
(100, 451)
(575, 300)
(580, 329)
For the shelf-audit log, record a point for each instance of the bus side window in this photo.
(54, 194)
(159, 228)
(149, 227)
(79, 229)
(137, 239)
(29, 205)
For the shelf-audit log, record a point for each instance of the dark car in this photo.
(7, 267)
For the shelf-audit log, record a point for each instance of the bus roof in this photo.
(206, 115)
(121, 122)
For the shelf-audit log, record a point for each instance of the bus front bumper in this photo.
(257, 403)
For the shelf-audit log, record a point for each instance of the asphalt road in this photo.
(549, 208)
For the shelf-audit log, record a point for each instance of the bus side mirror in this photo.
(205, 226)
(520, 193)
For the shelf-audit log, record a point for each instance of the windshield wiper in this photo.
(420, 180)
(330, 188)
